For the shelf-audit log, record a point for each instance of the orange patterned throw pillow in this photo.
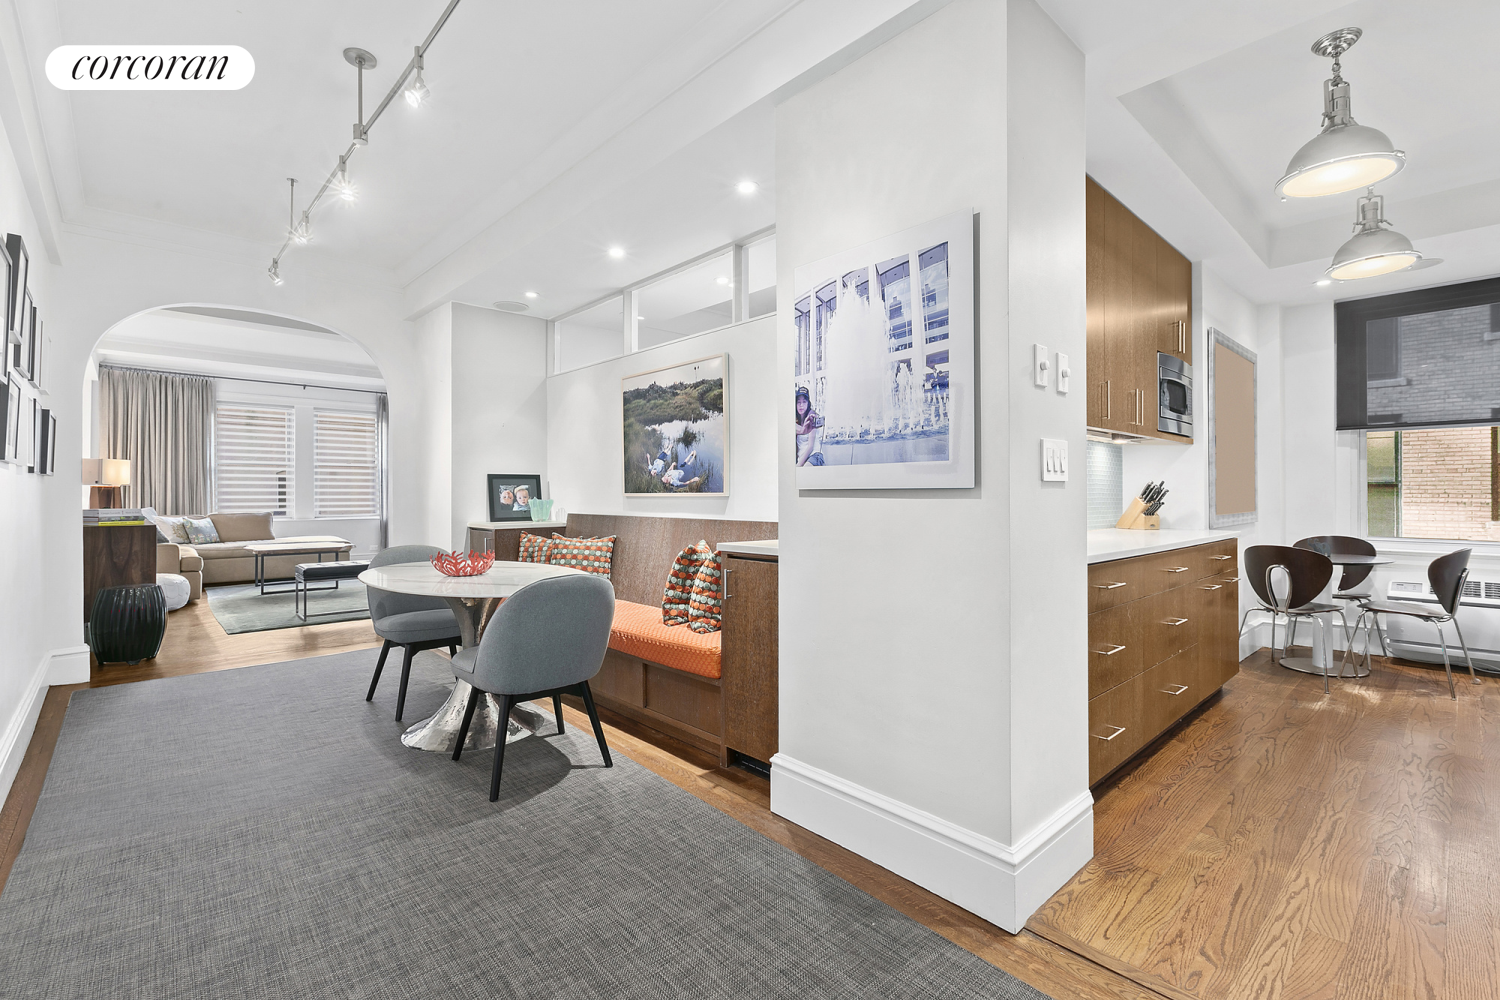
(676, 600)
(708, 592)
(592, 555)
(533, 548)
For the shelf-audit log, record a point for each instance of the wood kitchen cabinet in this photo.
(1163, 637)
(1139, 302)
(749, 655)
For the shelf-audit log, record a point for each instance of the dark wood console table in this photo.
(116, 557)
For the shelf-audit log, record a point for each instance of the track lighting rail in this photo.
(362, 128)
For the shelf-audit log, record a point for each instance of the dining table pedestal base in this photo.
(439, 732)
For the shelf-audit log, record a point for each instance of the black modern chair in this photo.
(410, 621)
(1352, 578)
(523, 654)
(1446, 575)
(1307, 573)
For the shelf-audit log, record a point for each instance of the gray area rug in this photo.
(261, 833)
(243, 608)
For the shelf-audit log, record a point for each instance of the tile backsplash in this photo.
(1106, 483)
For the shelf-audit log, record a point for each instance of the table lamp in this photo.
(106, 476)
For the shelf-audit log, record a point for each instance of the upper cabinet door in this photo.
(1121, 347)
(1095, 366)
(1174, 284)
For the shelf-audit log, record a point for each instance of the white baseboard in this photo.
(17, 735)
(69, 665)
(1002, 883)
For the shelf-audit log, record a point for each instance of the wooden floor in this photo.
(1279, 844)
(1287, 843)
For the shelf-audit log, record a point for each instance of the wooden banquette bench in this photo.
(669, 679)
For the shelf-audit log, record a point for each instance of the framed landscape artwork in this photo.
(511, 496)
(883, 367)
(676, 423)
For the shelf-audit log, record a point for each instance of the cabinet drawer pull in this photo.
(1110, 586)
(1221, 558)
(1176, 569)
(1109, 652)
(1117, 731)
(1106, 399)
(1180, 688)
(1231, 579)
(1174, 621)
(1213, 586)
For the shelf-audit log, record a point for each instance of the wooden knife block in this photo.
(1135, 517)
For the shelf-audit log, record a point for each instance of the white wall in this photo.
(932, 656)
(584, 447)
(499, 368)
(29, 570)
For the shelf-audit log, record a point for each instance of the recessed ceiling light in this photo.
(510, 305)
(531, 295)
(747, 187)
(722, 280)
(1323, 281)
(617, 252)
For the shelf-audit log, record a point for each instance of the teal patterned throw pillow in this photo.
(200, 530)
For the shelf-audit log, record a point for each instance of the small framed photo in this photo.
(38, 343)
(10, 433)
(47, 446)
(27, 346)
(34, 439)
(15, 288)
(511, 496)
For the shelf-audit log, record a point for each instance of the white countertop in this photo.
(484, 525)
(762, 548)
(1109, 544)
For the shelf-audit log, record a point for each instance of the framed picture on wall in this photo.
(883, 364)
(47, 449)
(677, 429)
(37, 342)
(15, 288)
(24, 348)
(34, 438)
(511, 496)
(10, 433)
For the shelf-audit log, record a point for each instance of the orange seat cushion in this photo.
(638, 631)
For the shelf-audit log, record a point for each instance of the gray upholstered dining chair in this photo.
(408, 620)
(1446, 575)
(548, 638)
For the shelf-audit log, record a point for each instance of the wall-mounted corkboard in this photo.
(1231, 432)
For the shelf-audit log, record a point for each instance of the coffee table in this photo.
(260, 550)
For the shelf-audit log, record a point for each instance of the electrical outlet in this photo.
(1040, 365)
(1054, 460)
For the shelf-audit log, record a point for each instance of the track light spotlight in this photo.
(274, 272)
(416, 90)
(341, 184)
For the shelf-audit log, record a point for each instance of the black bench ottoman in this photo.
(321, 572)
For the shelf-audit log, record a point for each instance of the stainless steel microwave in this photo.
(1174, 389)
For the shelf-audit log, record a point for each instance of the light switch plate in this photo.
(1054, 460)
(1064, 376)
(1040, 365)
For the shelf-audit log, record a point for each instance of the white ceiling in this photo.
(1194, 110)
(213, 341)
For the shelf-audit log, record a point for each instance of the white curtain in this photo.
(164, 425)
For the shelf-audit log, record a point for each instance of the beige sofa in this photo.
(184, 560)
(226, 560)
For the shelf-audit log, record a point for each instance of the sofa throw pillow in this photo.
(175, 529)
(151, 515)
(708, 592)
(677, 597)
(592, 555)
(200, 530)
(533, 548)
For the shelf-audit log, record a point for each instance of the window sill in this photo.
(1431, 548)
(1388, 383)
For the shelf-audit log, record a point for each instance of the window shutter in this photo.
(253, 464)
(345, 479)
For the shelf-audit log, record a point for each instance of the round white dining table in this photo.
(473, 599)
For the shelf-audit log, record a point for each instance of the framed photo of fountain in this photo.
(883, 373)
(677, 429)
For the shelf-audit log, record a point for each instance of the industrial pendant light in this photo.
(1346, 155)
(1374, 248)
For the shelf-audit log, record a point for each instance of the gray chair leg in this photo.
(1327, 653)
(379, 666)
(405, 676)
(1467, 658)
(1385, 650)
(1291, 638)
(1452, 691)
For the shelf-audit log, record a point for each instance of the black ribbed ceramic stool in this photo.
(127, 624)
